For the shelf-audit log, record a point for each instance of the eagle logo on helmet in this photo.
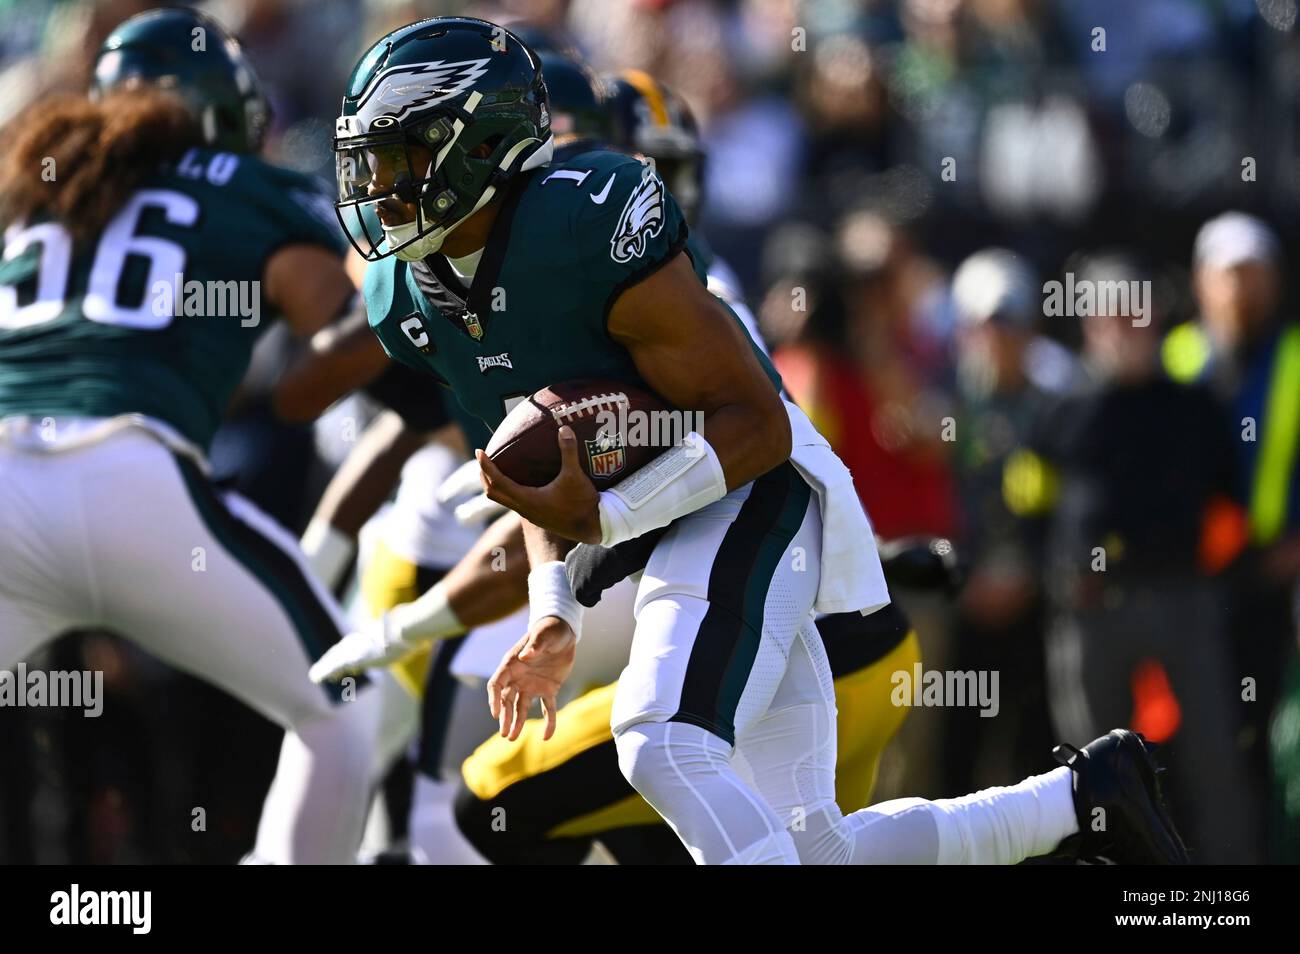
(642, 219)
(405, 89)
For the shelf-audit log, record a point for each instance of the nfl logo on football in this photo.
(606, 454)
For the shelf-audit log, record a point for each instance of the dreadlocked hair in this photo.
(76, 160)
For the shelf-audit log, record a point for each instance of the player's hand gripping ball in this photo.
(558, 448)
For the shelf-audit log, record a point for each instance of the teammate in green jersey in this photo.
(137, 273)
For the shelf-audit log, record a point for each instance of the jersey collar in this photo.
(438, 282)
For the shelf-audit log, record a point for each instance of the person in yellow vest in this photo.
(1134, 467)
(1249, 352)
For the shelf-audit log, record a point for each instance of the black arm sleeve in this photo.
(413, 396)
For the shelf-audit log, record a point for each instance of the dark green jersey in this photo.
(104, 327)
(569, 238)
(387, 293)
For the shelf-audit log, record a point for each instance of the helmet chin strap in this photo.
(432, 241)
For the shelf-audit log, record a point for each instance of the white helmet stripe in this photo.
(541, 157)
(457, 128)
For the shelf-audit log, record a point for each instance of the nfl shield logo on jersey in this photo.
(606, 454)
(473, 326)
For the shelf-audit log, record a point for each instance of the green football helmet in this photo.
(188, 52)
(437, 118)
(578, 97)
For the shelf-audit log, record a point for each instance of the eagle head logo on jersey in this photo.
(606, 453)
(404, 89)
(642, 220)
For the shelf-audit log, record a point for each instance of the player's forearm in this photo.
(750, 439)
(550, 594)
(740, 447)
(489, 583)
(491, 580)
(309, 286)
(368, 475)
(342, 358)
(544, 546)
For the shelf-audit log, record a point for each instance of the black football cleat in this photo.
(1117, 774)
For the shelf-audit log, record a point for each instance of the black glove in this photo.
(923, 563)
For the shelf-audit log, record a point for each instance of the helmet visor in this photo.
(388, 193)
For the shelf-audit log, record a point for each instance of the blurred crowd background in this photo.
(893, 181)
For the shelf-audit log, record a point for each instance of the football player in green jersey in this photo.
(133, 282)
(523, 274)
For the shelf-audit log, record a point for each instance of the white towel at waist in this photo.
(852, 578)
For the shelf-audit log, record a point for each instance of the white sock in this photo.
(1005, 825)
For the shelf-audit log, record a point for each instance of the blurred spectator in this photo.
(1007, 373)
(860, 366)
(1133, 467)
(50, 47)
(1250, 355)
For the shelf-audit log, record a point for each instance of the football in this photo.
(620, 428)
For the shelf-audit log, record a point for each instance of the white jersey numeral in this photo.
(118, 242)
(218, 168)
(51, 280)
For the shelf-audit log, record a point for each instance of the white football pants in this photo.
(725, 716)
(124, 535)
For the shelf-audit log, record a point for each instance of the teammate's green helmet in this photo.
(578, 97)
(188, 52)
(438, 116)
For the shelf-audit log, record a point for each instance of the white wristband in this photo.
(550, 594)
(328, 550)
(677, 482)
(429, 617)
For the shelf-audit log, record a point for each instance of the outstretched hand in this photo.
(534, 668)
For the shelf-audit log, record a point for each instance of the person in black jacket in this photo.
(1129, 466)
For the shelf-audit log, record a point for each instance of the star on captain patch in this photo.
(473, 325)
